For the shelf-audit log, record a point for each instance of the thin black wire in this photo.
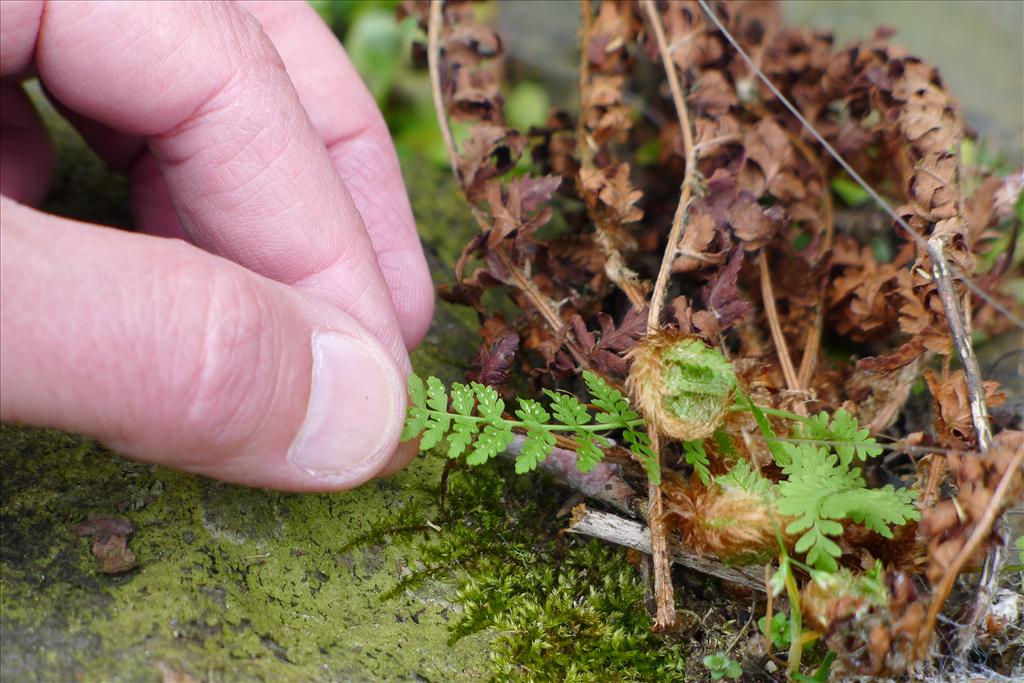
(849, 169)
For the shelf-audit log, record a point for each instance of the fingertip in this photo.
(354, 414)
(413, 293)
(403, 455)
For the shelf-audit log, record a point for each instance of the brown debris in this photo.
(493, 361)
(109, 542)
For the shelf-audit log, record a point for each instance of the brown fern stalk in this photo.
(663, 592)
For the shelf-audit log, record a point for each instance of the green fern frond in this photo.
(844, 433)
(745, 478)
(694, 453)
(820, 490)
(475, 424)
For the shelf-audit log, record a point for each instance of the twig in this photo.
(979, 417)
(604, 483)
(779, 339)
(961, 342)
(739, 634)
(980, 533)
(626, 532)
(659, 544)
(614, 266)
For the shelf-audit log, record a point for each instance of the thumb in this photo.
(178, 357)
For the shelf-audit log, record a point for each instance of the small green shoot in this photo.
(720, 666)
(779, 629)
(821, 673)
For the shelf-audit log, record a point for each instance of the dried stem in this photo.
(779, 339)
(981, 531)
(434, 68)
(979, 417)
(626, 532)
(961, 342)
(664, 594)
(659, 542)
(548, 311)
(679, 219)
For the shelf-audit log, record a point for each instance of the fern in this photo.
(842, 431)
(822, 489)
(745, 478)
(694, 453)
(476, 422)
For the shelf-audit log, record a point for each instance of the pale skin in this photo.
(256, 327)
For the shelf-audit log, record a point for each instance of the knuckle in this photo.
(223, 344)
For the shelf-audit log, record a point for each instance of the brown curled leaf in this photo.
(493, 361)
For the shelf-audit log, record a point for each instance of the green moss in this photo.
(562, 608)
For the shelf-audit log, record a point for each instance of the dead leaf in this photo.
(110, 542)
(493, 362)
(722, 298)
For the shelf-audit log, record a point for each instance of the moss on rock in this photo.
(231, 583)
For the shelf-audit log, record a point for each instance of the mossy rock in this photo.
(230, 584)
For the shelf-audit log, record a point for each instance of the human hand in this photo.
(268, 346)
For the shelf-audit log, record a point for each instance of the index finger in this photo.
(347, 119)
(247, 171)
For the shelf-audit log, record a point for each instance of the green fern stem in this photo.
(520, 425)
(774, 412)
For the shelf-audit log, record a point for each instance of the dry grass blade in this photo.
(781, 348)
